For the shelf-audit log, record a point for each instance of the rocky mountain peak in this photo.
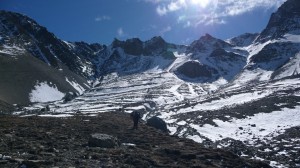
(116, 43)
(243, 40)
(157, 40)
(155, 45)
(132, 46)
(207, 37)
(15, 24)
(290, 7)
(285, 20)
(207, 43)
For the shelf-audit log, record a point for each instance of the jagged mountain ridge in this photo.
(20, 34)
(19, 30)
(276, 47)
(285, 20)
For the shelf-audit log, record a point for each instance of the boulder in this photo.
(157, 123)
(69, 96)
(103, 141)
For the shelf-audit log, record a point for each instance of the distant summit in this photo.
(285, 20)
(207, 43)
(243, 40)
(155, 46)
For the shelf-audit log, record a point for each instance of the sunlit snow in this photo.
(76, 86)
(267, 125)
(42, 92)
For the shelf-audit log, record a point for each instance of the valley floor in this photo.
(63, 142)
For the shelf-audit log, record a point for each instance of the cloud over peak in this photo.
(120, 32)
(208, 12)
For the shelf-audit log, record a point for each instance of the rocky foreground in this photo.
(66, 142)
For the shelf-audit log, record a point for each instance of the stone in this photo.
(128, 145)
(103, 141)
(47, 154)
(157, 123)
(69, 96)
(3, 162)
(6, 157)
(36, 163)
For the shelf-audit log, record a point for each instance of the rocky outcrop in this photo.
(285, 20)
(206, 43)
(193, 69)
(6, 108)
(157, 123)
(244, 39)
(103, 141)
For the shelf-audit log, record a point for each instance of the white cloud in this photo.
(186, 41)
(165, 30)
(209, 12)
(120, 32)
(187, 24)
(161, 10)
(152, 1)
(173, 6)
(233, 7)
(102, 18)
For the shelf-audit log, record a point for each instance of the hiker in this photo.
(121, 109)
(135, 116)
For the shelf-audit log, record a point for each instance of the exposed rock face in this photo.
(193, 69)
(132, 46)
(153, 47)
(244, 39)
(31, 55)
(274, 55)
(285, 20)
(157, 123)
(103, 141)
(23, 32)
(5, 108)
(206, 43)
(69, 96)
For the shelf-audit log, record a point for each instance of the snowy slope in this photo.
(34, 64)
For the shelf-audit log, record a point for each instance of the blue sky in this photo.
(177, 21)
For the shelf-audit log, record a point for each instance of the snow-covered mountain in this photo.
(35, 66)
(211, 59)
(205, 60)
(241, 94)
(274, 52)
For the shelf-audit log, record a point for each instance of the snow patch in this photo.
(291, 68)
(56, 115)
(227, 101)
(70, 45)
(267, 125)
(291, 38)
(76, 86)
(11, 50)
(42, 92)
